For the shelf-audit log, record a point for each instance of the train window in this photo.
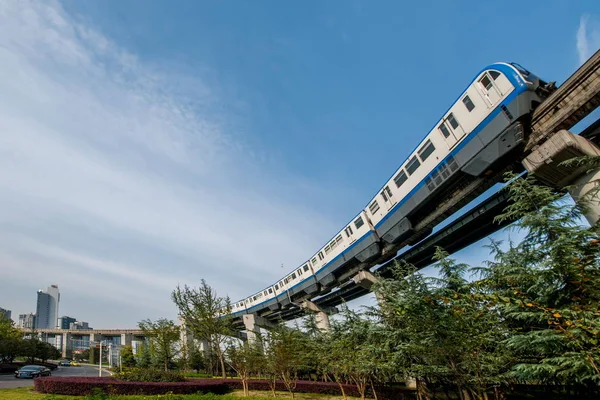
(293, 275)
(437, 179)
(384, 196)
(358, 222)
(285, 280)
(412, 165)
(270, 290)
(444, 130)
(348, 231)
(327, 249)
(321, 256)
(426, 150)
(452, 164)
(332, 244)
(430, 184)
(265, 292)
(494, 74)
(338, 239)
(276, 287)
(305, 268)
(314, 261)
(486, 82)
(453, 121)
(374, 207)
(400, 178)
(299, 272)
(468, 103)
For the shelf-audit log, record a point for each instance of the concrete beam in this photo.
(253, 323)
(365, 279)
(322, 314)
(544, 161)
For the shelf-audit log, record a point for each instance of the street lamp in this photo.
(100, 358)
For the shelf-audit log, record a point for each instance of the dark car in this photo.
(64, 363)
(32, 371)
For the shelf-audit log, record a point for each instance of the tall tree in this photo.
(164, 338)
(245, 358)
(285, 355)
(547, 287)
(207, 316)
(10, 340)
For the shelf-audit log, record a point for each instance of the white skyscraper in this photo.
(47, 308)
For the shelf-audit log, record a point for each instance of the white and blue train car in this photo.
(480, 127)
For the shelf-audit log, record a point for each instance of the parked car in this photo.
(32, 371)
(64, 363)
(75, 364)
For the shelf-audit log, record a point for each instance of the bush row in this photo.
(83, 386)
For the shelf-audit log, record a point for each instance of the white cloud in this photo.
(112, 182)
(588, 38)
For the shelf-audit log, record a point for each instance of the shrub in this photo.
(84, 386)
(149, 375)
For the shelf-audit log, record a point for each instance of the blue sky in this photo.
(146, 144)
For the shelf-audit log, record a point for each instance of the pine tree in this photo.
(547, 288)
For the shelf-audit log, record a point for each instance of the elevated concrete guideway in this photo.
(68, 340)
(575, 99)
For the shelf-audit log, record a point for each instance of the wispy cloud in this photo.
(117, 184)
(588, 37)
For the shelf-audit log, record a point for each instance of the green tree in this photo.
(441, 331)
(245, 358)
(206, 315)
(285, 355)
(547, 287)
(164, 337)
(10, 340)
(127, 357)
(144, 357)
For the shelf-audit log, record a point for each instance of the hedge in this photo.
(82, 386)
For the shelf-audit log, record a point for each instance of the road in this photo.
(9, 381)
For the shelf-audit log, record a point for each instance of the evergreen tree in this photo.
(547, 288)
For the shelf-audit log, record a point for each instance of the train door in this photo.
(388, 197)
(349, 234)
(451, 130)
(490, 91)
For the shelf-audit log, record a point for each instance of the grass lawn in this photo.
(29, 394)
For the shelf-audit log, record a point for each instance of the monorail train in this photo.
(486, 122)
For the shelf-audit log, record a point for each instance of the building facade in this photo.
(5, 312)
(79, 325)
(47, 308)
(65, 322)
(26, 321)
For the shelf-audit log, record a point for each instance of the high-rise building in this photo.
(26, 321)
(46, 316)
(5, 312)
(65, 322)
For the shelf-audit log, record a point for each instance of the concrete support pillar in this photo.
(204, 347)
(322, 314)
(253, 323)
(586, 189)
(544, 161)
(126, 339)
(66, 344)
